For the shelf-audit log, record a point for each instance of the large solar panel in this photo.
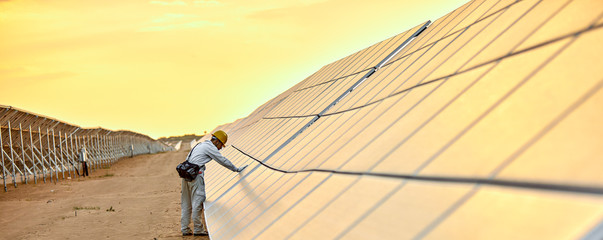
(485, 123)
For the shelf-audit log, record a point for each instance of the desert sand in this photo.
(136, 198)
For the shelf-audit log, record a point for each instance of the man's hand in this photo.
(242, 168)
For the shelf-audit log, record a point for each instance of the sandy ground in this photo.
(137, 198)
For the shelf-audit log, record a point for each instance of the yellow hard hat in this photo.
(221, 135)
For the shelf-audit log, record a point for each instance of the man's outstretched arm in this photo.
(216, 155)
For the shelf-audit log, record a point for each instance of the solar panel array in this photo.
(35, 147)
(483, 124)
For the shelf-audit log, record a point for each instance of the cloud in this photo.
(46, 76)
(12, 70)
(172, 17)
(180, 26)
(178, 21)
(21, 16)
(206, 2)
(169, 3)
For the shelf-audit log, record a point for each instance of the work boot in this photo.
(201, 234)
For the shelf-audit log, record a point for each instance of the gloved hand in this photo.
(242, 168)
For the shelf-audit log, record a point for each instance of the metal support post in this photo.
(92, 156)
(42, 154)
(125, 146)
(25, 168)
(3, 166)
(50, 155)
(109, 150)
(99, 152)
(115, 149)
(90, 151)
(106, 150)
(67, 155)
(106, 154)
(33, 156)
(75, 156)
(61, 153)
(79, 142)
(120, 146)
(54, 146)
(12, 156)
(99, 155)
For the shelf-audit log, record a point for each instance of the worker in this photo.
(193, 192)
(83, 161)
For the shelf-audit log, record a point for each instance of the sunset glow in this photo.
(166, 68)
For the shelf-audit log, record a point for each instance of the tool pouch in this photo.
(188, 170)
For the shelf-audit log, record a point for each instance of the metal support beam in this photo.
(42, 157)
(33, 156)
(52, 159)
(12, 156)
(3, 166)
(61, 153)
(97, 148)
(75, 157)
(42, 154)
(23, 153)
(54, 147)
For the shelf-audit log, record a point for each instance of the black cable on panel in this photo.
(466, 180)
(543, 44)
(419, 49)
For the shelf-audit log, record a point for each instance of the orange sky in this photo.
(166, 68)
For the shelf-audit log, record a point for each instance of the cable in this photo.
(543, 44)
(419, 49)
(467, 180)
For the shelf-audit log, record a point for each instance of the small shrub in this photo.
(107, 175)
(86, 208)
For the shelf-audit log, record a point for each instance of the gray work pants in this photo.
(192, 198)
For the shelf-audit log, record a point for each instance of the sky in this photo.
(168, 68)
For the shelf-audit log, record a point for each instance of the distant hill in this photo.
(184, 138)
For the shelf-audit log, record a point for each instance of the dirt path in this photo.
(137, 198)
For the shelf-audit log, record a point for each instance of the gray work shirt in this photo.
(204, 152)
(82, 154)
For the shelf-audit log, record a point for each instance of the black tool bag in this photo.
(188, 170)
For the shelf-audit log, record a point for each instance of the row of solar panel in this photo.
(486, 93)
